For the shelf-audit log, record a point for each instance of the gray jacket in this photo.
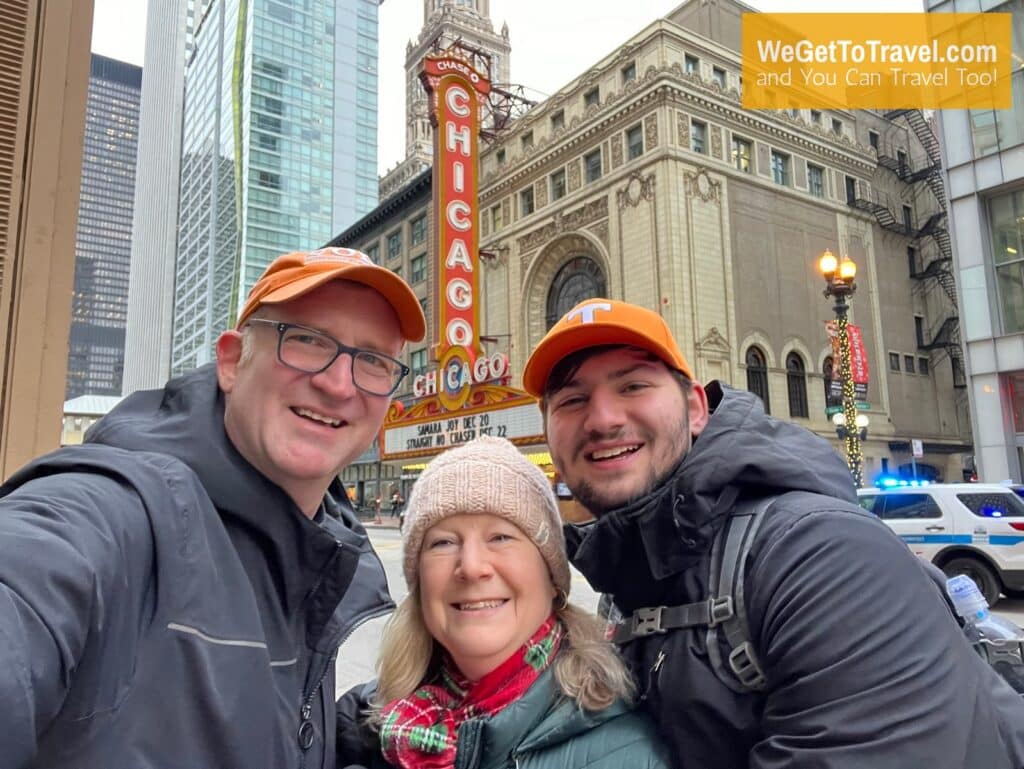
(866, 666)
(163, 605)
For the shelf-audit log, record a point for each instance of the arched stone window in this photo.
(757, 375)
(580, 278)
(796, 382)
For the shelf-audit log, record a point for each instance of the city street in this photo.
(357, 655)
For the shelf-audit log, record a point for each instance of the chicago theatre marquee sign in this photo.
(467, 394)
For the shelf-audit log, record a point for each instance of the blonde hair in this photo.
(588, 669)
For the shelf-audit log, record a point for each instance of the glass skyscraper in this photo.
(278, 152)
(104, 237)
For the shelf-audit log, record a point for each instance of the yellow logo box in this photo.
(876, 60)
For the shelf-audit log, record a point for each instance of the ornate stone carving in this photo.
(616, 141)
(650, 131)
(601, 231)
(716, 141)
(701, 185)
(494, 257)
(682, 130)
(540, 193)
(639, 187)
(574, 175)
(714, 342)
(572, 220)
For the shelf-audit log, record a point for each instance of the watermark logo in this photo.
(876, 60)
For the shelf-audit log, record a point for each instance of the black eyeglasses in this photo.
(311, 351)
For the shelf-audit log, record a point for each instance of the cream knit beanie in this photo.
(486, 475)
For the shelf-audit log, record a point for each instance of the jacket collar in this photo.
(542, 717)
(305, 557)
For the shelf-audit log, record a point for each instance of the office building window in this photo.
(526, 140)
(418, 268)
(557, 120)
(796, 381)
(922, 366)
(742, 151)
(629, 72)
(851, 190)
(757, 375)
(816, 116)
(908, 218)
(873, 139)
(1006, 225)
(718, 75)
(592, 165)
(558, 184)
(499, 156)
(526, 201)
(894, 361)
(698, 136)
(908, 364)
(418, 230)
(816, 180)
(634, 142)
(418, 362)
(394, 244)
(591, 97)
(496, 217)
(374, 253)
(837, 127)
(780, 168)
(691, 64)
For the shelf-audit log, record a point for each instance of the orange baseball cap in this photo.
(596, 322)
(292, 275)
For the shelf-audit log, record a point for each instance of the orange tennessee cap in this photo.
(292, 275)
(597, 322)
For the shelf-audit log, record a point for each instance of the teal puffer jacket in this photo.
(545, 730)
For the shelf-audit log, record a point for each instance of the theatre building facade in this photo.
(645, 180)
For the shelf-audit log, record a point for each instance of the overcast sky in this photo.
(553, 41)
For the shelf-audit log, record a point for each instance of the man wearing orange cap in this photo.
(832, 647)
(174, 591)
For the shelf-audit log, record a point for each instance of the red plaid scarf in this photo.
(419, 731)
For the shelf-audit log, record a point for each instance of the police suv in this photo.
(975, 529)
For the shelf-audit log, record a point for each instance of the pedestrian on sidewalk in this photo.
(174, 591)
(486, 659)
(835, 649)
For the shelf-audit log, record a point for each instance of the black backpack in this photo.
(724, 612)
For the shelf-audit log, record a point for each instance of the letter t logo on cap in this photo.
(586, 311)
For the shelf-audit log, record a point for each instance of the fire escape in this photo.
(940, 267)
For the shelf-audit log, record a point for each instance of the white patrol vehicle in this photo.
(975, 529)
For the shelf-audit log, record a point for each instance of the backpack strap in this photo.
(724, 612)
(727, 578)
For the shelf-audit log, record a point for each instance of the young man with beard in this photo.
(173, 593)
(862, 662)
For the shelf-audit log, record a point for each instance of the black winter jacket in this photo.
(164, 606)
(866, 666)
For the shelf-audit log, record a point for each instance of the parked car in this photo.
(975, 529)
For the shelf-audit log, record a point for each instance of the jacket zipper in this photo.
(307, 732)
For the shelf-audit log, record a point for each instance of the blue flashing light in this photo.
(892, 482)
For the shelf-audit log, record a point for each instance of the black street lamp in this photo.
(839, 283)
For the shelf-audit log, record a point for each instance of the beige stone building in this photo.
(44, 72)
(645, 180)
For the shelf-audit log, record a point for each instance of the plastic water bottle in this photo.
(999, 641)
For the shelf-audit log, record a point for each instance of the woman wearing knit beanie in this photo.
(486, 659)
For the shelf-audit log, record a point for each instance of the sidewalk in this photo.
(386, 522)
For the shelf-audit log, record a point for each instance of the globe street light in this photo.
(839, 277)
